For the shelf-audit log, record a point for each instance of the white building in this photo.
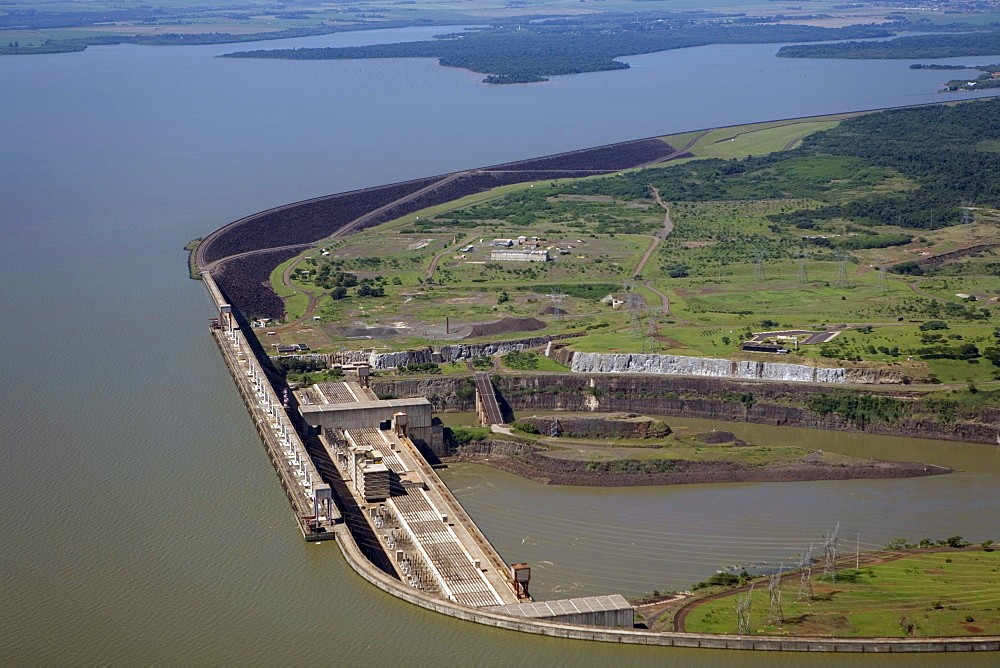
(519, 256)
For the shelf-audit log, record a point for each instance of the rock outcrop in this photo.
(621, 425)
(676, 365)
(707, 398)
(453, 353)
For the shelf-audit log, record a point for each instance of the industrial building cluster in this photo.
(379, 447)
(526, 251)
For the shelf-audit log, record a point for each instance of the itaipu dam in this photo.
(356, 468)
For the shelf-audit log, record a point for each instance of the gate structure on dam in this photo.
(433, 545)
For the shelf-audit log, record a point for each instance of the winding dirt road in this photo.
(660, 235)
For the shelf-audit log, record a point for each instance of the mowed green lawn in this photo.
(939, 594)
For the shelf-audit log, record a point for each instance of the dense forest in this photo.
(533, 52)
(921, 46)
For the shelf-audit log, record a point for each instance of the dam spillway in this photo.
(425, 541)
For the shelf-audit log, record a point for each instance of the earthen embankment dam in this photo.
(241, 255)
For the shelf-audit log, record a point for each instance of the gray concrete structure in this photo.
(613, 611)
(311, 498)
(349, 405)
(438, 549)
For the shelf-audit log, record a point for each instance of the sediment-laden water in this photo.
(141, 521)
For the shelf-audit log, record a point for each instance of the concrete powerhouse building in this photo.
(350, 405)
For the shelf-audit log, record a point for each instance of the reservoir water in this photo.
(141, 521)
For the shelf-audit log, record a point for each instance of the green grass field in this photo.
(939, 594)
(739, 141)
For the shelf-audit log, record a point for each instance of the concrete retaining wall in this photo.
(639, 637)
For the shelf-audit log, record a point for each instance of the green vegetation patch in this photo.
(919, 46)
(925, 595)
(592, 291)
(530, 361)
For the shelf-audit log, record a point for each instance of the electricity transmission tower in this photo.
(649, 345)
(743, 613)
(758, 265)
(774, 613)
(830, 554)
(557, 304)
(805, 577)
(883, 282)
(968, 218)
(803, 273)
(633, 303)
(841, 281)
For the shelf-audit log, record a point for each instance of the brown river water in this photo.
(140, 520)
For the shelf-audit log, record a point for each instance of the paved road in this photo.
(437, 258)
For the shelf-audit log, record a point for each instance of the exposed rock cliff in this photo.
(458, 351)
(708, 398)
(675, 365)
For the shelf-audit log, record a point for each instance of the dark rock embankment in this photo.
(530, 462)
(312, 220)
(246, 281)
(615, 426)
(773, 403)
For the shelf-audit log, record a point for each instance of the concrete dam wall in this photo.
(675, 365)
